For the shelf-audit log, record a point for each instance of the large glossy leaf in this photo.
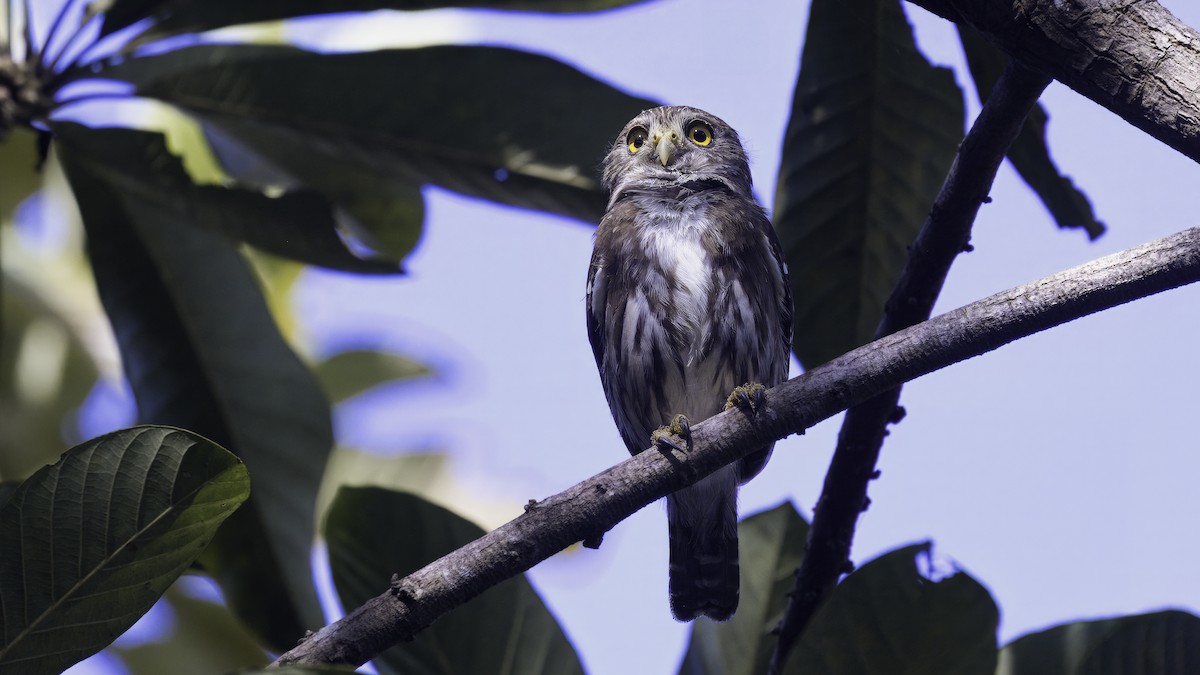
(201, 351)
(1029, 153)
(873, 131)
(186, 16)
(381, 213)
(500, 124)
(888, 618)
(377, 213)
(771, 544)
(91, 542)
(373, 533)
(1161, 643)
(298, 224)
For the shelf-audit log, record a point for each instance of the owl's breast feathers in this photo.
(687, 298)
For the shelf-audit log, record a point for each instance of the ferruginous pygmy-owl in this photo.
(687, 299)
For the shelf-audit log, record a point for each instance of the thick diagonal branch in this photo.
(1130, 56)
(598, 503)
(945, 234)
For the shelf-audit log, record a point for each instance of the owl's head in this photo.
(672, 145)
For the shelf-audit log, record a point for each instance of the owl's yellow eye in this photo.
(636, 139)
(700, 133)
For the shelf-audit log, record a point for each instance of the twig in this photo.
(597, 504)
(945, 234)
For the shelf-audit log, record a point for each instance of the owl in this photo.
(689, 311)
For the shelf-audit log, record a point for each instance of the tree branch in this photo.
(946, 233)
(1130, 56)
(597, 504)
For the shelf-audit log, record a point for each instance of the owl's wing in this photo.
(597, 307)
(786, 306)
(750, 256)
(626, 346)
(754, 301)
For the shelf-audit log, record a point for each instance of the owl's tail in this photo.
(702, 522)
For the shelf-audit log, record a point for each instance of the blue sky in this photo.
(1059, 470)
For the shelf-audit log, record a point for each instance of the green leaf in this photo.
(889, 618)
(350, 373)
(383, 214)
(386, 216)
(1161, 643)
(499, 124)
(18, 162)
(8, 489)
(207, 639)
(91, 542)
(298, 225)
(771, 543)
(1029, 153)
(373, 533)
(187, 16)
(201, 351)
(873, 131)
(278, 277)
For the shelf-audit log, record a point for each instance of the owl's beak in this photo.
(664, 145)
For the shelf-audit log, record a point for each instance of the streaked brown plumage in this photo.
(688, 298)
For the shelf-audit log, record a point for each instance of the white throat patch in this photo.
(673, 237)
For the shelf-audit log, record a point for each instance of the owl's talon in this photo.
(749, 397)
(681, 427)
(744, 400)
(661, 437)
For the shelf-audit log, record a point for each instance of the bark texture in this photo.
(1130, 56)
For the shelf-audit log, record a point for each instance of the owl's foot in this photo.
(748, 397)
(681, 427)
